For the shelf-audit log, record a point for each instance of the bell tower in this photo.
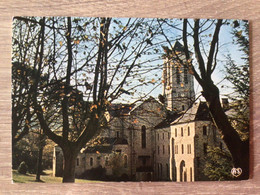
(178, 83)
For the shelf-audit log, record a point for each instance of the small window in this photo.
(176, 149)
(143, 136)
(175, 132)
(188, 131)
(91, 161)
(169, 149)
(169, 135)
(189, 148)
(190, 173)
(125, 161)
(183, 107)
(117, 134)
(182, 149)
(204, 130)
(163, 149)
(182, 132)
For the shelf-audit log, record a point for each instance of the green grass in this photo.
(46, 178)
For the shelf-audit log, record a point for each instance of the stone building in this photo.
(154, 141)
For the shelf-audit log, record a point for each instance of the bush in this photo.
(22, 168)
(98, 173)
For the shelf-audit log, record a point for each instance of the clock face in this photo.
(182, 95)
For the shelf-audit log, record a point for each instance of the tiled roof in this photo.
(198, 111)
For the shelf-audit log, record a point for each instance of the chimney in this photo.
(225, 104)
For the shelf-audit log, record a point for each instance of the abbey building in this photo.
(155, 140)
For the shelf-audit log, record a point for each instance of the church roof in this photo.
(198, 112)
(117, 110)
(167, 122)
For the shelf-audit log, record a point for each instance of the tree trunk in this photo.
(39, 165)
(238, 148)
(70, 157)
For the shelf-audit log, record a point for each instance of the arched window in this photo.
(167, 171)
(91, 161)
(143, 136)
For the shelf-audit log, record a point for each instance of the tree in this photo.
(218, 164)
(87, 63)
(238, 148)
(238, 75)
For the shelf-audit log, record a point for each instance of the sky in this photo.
(226, 47)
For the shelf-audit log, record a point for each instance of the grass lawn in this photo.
(46, 178)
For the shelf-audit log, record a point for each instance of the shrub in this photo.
(22, 168)
(98, 173)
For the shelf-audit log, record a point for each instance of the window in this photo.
(91, 161)
(221, 146)
(163, 149)
(169, 135)
(158, 150)
(175, 132)
(189, 148)
(178, 78)
(117, 134)
(77, 161)
(125, 161)
(204, 130)
(205, 148)
(182, 149)
(188, 131)
(190, 173)
(182, 132)
(169, 149)
(143, 136)
(183, 107)
(167, 171)
(176, 149)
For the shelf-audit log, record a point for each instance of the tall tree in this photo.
(87, 63)
(238, 148)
